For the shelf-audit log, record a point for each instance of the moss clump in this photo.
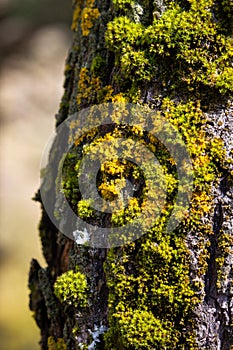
(123, 4)
(91, 89)
(142, 330)
(84, 208)
(98, 66)
(71, 288)
(184, 46)
(150, 297)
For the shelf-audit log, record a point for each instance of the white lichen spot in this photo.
(137, 11)
(81, 237)
(95, 335)
(161, 8)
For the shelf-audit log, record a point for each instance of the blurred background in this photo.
(34, 40)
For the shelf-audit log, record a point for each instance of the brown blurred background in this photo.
(34, 40)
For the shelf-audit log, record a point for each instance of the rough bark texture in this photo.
(155, 72)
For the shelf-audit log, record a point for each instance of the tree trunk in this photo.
(171, 286)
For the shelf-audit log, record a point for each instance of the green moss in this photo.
(154, 274)
(84, 208)
(186, 47)
(154, 271)
(142, 330)
(70, 179)
(224, 245)
(71, 288)
(187, 52)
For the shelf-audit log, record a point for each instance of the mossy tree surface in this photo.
(165, 290)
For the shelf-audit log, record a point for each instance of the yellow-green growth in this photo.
(189, 52)
(188, 41)
(84, 208)
(89, 14)
(91, 89)
(159, 280)
(71, 288)
(85, 15)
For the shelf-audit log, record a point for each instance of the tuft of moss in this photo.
(187, 42)
(71, 288)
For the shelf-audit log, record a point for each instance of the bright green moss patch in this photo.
(71, 288)
(150, 296)
(150, 278)
(207, 154)
(142, 330)
(84, 208)
(187, 47)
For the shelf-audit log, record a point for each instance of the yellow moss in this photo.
(115, 167)
(149, 280)
(107, 92)
(89, 14)
(119, 98)
(84, 208)
(110, 190)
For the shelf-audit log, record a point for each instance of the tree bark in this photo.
(165, 290)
